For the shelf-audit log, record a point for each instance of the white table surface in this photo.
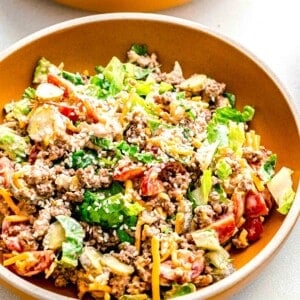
(268, 28)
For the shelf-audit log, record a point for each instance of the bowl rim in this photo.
(289, 221)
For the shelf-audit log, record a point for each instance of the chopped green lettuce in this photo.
(109, 207)
(206, 184)
(73, 77)
(281, 188)
(225, 114)
(122, 148)
(220, 127)
(143, 88)
(220, 260)
(231, 98)
(103, 143)
(136, 72)
(140, 49)
(114, 72)
(29, 93)
(165, 87)
(42, 70)
(150, 108)
(14, 145)
(267, 170)
(124, 236)
(18, 110)
(206, 239)
(179, 290)
(199, 196)
(206, 153)
(223, 169)
(217, 133)
(73, 243)
(236, 136)
(83, 158)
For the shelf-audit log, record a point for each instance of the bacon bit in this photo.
(6, 169)
(35, 149)
(69, 111)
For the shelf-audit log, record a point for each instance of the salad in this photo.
(132, 183)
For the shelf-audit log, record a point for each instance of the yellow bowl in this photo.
(123, 5)
(83, 43)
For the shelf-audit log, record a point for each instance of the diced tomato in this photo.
(197, 268)
(255, 205)
(33, 262)
(6, 169)
(254, 228)
(69, 111)
(129, 172)
(150, 184)
(225, 227)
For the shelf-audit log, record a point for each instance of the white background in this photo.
(268, 28)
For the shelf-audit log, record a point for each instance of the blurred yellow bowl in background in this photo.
(123, 5)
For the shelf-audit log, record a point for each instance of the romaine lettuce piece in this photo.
(206, 184)
(42, 69)
(18, 110)
(114, 72)
(14, 145)
(109, 207)
(236, 136)
(223, 169)
(267, 170)
(281, 188)
(221, 261)
(217, 129)
(73, 77)
(73, 242)
(55, 236)
(83, 158)
(179, 290)
(140, 49)
(206, 239)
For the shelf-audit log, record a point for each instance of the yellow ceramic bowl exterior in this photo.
(83, 43)
(123, 5)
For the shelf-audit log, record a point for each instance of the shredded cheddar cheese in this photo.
(7, 198)
(155, 268)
